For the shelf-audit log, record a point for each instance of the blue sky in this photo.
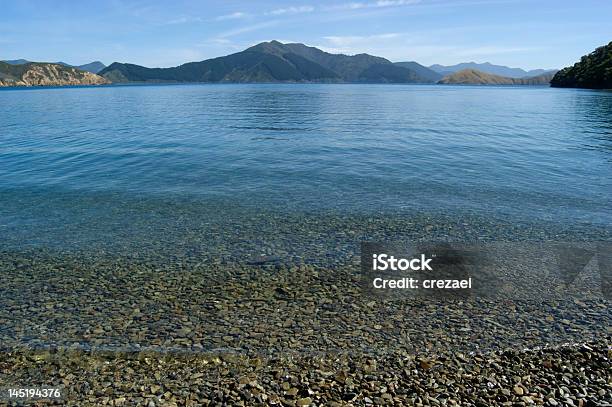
(522, 33)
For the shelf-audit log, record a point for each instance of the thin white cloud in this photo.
(233, 16)
(215, 47)
(391, 3)
(492, 50)
(276, 12)
(291, 10)
(216, 41)
(183, 20)
(350, 40)
(406, 46)
(247, 28)
(373, 4)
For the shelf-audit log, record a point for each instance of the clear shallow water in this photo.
(118, 203)
(229, 163)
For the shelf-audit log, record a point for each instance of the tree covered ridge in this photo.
(594, 71)
(274, 62)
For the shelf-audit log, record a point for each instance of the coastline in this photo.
(169, 83)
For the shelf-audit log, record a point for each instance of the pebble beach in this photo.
(121, 333)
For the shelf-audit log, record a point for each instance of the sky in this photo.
(528, 34)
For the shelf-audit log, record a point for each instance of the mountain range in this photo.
(93, 67)
(294, 62)
(277, 62)
(273, 62)
(488, 68)
(297, 63)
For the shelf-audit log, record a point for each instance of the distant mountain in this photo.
(349, 68)
(16, 61)
(594, 71)
(538, 80)
(421, 70)
(488, 68)
(245, 66)
(272, 62)
(538, 72)
(474, 77)
(45, 74)
(93, 67)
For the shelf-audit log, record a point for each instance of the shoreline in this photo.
(129, 84)
(565, 375)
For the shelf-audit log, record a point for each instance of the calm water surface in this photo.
(80, 165)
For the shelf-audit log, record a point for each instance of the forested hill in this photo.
(593, 71)
(273, 62)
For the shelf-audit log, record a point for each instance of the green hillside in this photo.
(594, 71)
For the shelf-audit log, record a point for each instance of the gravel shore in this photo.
(577, 375)
(119, 331)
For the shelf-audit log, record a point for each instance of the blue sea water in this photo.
(120, 163)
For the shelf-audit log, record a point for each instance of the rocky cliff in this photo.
(44, 74)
